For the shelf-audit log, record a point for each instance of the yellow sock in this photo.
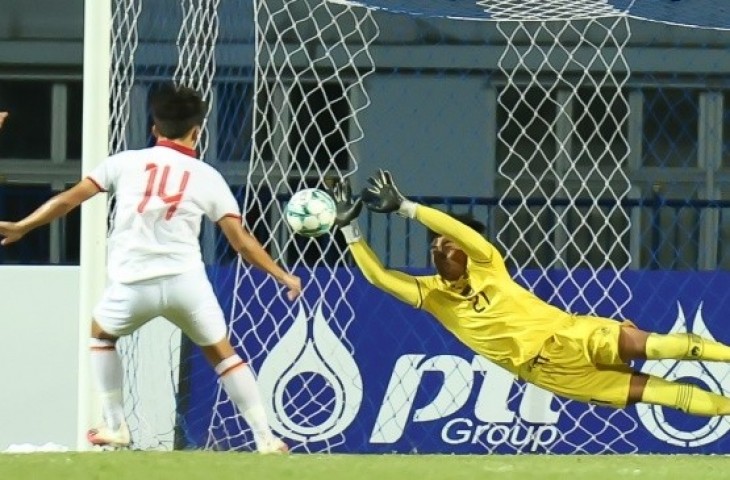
(685, 397)
(685, 346)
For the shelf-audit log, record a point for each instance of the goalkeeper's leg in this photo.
(638, 344)
(682, 396)
(239, 383)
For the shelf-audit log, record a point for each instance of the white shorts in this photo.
(187, 300)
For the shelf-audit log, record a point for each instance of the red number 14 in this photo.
(169, 199)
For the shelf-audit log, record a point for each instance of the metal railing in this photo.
(663, 233)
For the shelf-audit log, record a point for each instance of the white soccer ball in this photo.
(310, 212)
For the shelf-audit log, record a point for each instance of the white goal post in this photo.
(95, 147)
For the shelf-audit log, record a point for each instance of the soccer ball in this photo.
(310, 212)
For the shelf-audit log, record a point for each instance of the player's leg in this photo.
(108, 374)
(239, 382)
(121, 310)
(638, 344)
(682, 396)
(581, 362)
(194, 308)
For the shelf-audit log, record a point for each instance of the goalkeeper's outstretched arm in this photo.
(468, 239)
(383, 196)
(402, 286)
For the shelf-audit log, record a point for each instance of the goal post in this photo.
(562, 126)
(95, 148)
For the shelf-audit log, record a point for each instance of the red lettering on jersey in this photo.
(152, 168)
(170, 199)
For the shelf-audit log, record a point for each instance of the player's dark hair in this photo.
(176, 110)
(465, 218)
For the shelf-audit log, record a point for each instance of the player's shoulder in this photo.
(203, 167)
(173, 156)
(428, 282)
(131, 156)
(126, 155)
(494, 264)
(123, 160)
(207, 172)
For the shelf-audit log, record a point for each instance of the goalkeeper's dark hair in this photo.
(176, 110)
(465, 218)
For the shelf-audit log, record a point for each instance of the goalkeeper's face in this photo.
(448, 258)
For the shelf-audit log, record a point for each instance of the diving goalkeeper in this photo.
(584, 358)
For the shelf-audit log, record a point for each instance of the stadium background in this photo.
(678, 162)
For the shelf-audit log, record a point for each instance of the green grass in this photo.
(222, 466)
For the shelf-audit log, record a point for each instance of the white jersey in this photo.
(161, 194)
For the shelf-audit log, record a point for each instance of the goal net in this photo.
(518, 112)
(559, 64)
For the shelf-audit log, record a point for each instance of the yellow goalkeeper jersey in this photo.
(487, 311)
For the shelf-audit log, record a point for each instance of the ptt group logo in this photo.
(311, 381)
(531, 425)
(313, 389)
(711, 375)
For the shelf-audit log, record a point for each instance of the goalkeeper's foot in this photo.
(272, 446)
(106, 437)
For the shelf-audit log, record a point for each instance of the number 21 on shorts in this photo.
(173, 199)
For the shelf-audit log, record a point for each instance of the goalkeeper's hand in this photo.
(347, 209)
(383, 196)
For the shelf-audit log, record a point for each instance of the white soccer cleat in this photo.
(272, 446)
(106, 437)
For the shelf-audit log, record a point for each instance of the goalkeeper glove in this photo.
(346, 210)
(383, 196)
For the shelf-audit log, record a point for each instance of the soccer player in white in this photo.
(155, 266)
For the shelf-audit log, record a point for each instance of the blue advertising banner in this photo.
(373, 375)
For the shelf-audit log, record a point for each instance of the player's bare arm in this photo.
(3, 117)
(253, 252)
(54, 208)
(401, 285)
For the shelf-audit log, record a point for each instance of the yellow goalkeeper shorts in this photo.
(582, 362)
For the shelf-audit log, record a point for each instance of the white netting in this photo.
(518, 10)
(125, 15)
(565, 173)
(136, 350)
(196, 44)
(311, 60)
(312, 57)
(562, 145)
(152, 354)
(550, 10)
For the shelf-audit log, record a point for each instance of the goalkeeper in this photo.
(584, 358)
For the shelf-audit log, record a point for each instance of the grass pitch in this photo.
(223, 466)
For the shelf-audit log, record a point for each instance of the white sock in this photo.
(240, 384)
(106, 367)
